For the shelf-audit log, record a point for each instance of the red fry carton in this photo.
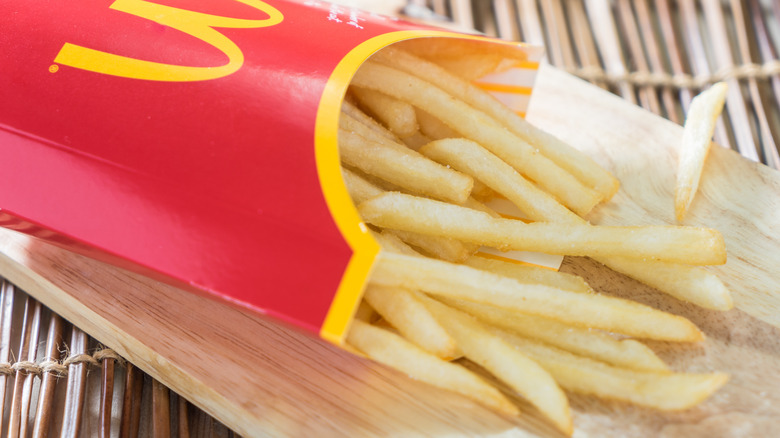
(195, 142)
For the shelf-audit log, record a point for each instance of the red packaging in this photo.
(195, 142)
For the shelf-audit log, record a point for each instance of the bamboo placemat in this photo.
(55, 380)
(655, 53)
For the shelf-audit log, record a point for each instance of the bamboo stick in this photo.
(645, 18)
(674, 52)
(161, 414)
(506, 23)
(25, 375)
(530, 23)
(106, 396)
(45, 410)
(587, 53)
(131, 403)
(76, 389)
(559, 47)
(647, 96)
(735, 102)
(699, 62)
(767, 139)
(606, 35)
(7, 290)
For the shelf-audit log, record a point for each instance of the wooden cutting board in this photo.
(265, 379)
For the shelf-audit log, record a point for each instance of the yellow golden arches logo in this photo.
(196, 24)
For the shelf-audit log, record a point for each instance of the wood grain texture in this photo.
(265, 379)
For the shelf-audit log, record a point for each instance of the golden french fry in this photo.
(697, 138)
(474, 160)
(358, 187)
(688, 283)
(528, 274)
(373, 179)
(359, 116)
(468, 50)
(404, 311)
(405, 168)
(433, 127)
(626, 353)
(352, 124)
(364, 312)
(390, 242)
(445, 248)
(399, 117)
(426, 216)
(395, 352)
(481, 192)
(479, 127)
(476, 66)
(416, 140)
(567, 157)
(473, 204)
(663, 391)
(585, 310)
(506, 363)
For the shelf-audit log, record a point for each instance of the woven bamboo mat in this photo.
(57, 381)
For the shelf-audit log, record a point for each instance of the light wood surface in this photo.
(265, 379)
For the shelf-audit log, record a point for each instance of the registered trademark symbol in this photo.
(53, 68)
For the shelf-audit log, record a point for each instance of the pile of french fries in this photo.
(422, 150)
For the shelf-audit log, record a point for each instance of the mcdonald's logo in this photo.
(197, 24)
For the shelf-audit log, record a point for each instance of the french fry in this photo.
(416, 140)
(359, 116)
(390, 242)
(472, 159)
(405, 168)
(697, 138)
(364, 312)
(496, 58)
(476, 205)
(358, 187)
(666, 243)
(399, 117)
(476, 66)
(442, 247)
(506, 363)
(564, 155)
(433, 127)
(662, 391)
(479, 127)
(626, 353)
(404, 311)
(585, 310)
(688, 283)
(394, 351)
(481, 192)
(364, 129)
(529, 274)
